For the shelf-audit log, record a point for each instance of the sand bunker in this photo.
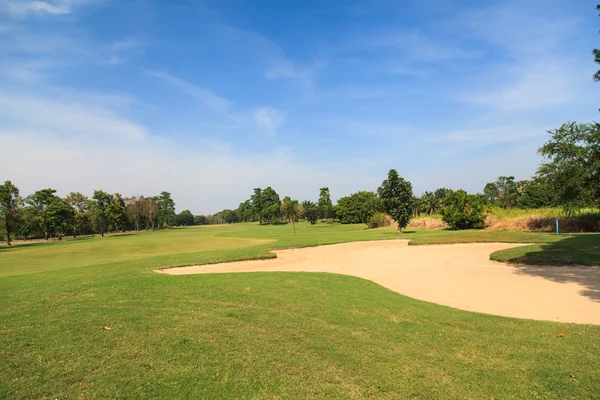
(459, 275)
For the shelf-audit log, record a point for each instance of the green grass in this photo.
(262, 335)
(583, 249)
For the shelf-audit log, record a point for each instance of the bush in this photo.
(464, 211)
(379, 220)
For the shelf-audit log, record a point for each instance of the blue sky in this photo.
(209, 99)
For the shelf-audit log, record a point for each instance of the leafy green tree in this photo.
(507, 189)
(572, 165)
(40, 200)
(464, 211)
(82, 220)
(166, 209)
(257, 207)
(185, 218)
(27, 224)
(99, 204)
(358, 207)
(200, 220)
(310, 211)
(429, 203)
(290, 209)
(491, 193)
(397, 198)
(442, 197)
(9, 204)
(324, 202)
(60, 216)
(117, 213)
(535, 194)
(245, 211)
(270, 202)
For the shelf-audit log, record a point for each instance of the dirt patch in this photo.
(428, 223)
(457, 275)
(543, 224)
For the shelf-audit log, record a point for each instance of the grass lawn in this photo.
(263, 335)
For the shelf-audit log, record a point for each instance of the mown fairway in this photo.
(262, 335)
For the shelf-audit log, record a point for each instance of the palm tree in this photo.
(429, 203)
(290, 210)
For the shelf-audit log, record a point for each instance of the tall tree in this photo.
(60, 216)
(79, 203)
(357, 208)
(397, 197)
(491, 193)
(256, 200)
(166, 209)
(507, 191)
(134, 211)
(40, 200)
(572, 165)
(325, 204)
(290, 209)
(185, 218)
(310, 211)
(117, 213)
(151, 212)
(269, 200)
(101, 202)
(9, 203)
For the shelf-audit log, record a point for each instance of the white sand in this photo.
(458, 275)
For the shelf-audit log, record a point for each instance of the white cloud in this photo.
(269, 118)
(203, 94)
(22, 8)
(303, 77)
(124, 44)
(67, 118)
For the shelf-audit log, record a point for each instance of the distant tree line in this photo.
(569, 177)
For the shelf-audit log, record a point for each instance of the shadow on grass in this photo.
(567, 255)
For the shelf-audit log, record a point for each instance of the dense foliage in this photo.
(397, 198)
(464, 211)
(357, 208)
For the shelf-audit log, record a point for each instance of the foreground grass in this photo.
(261, 335)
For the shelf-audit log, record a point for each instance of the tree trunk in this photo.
(293, 224)
(399, 228)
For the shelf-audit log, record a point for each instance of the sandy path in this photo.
(459, 275)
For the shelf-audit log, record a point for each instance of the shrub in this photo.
(379, 220)
(464, 211)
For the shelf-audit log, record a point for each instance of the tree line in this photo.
(569, 178)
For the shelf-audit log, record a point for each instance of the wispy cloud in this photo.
(124, 44)
(269, 118)
(205, 95)
(65, 118)
(302, 76)
(23, 8)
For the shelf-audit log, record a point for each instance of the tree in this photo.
(290, 210)
(256, 200)
(310, 211)
(429, 203)
(507, 191)
(166, 209)
(358, 207)
(270, 203)
(82, 221)
(464, 211)
(185, 218)
(324, 202)
(491, 193)
(101, 202)
(9, 204)
(150, 212)
(60, 216)
(245, 211)
(535, 194)
(442, 197)
(117, 213)
(397, 198)
(39, 201)
(572, 166)
(200, 220)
